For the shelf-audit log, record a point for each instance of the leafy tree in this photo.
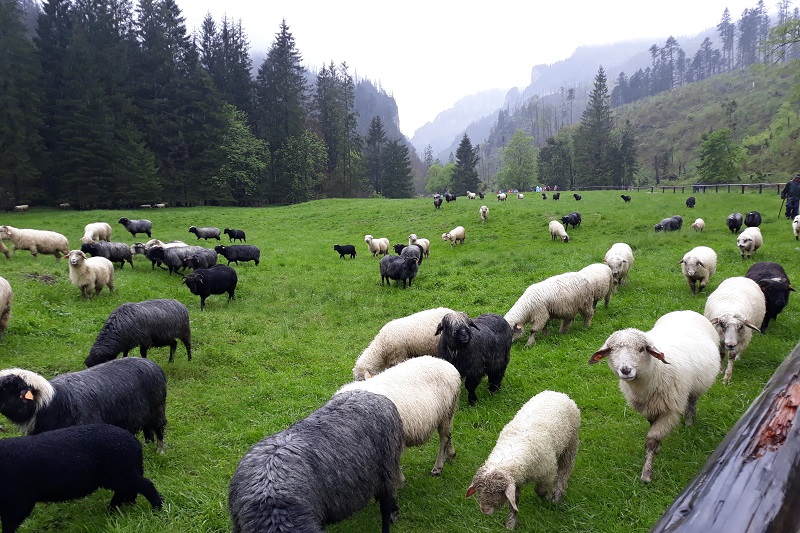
(303, 159)
(720, 158)
(397, 177)
(519, 170)
(439, 178)
(592, 139)
(465, 174)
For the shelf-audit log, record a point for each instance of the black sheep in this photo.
(544, 196)
(137, 226)
(70, 463)
(481, 195)
(322, 468)
(668, 224)
(775, 285)
(679, 220)
(690, 202)
(218, 279)
(345, 249)
(625, 198)
(415, 251)
(173, 257)
(113, 251)
(476, 347)
(148, 324)
(239, 252)
(449, 197)
(130, 393)
(734, 222)
(752, 219)
(577, 196)
(235, 234)
(398, 248)
(573, 218)
(437, 202)
(206, 259)
(398, 268)
(557, 196)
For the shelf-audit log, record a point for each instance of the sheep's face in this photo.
(693, 267)
(745, 243)
(456, 329)
(445, 236)
(630, 353)
(76, 257)
(4, 232)
(494, 489)
(17, 398)
(615, 263)
(730, 329)
(367, 239)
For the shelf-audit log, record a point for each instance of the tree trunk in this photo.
(751, 483)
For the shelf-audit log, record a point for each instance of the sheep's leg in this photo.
(471, 383)
(187, 343)
(146, 488)
(532, 338)
(691, 410)
(691, 283)
(446, 449)
(566, 461)
(588, 314)
(173, 345)
(659, 428)
(389, 511)
(565, 324)
(732, 356)
(495, 380)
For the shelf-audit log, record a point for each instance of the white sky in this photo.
(430, 54)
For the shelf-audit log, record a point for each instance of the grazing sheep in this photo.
(699, 225)
(173, 256)
(734, 222)
(235, 234)
(377, 246)
(113, 251)
(425, 243)
(397, 268)
(129, 393)
(145, 206)
(70, 463)
(734, 309)
(455, 235)
(241, 252)
(322, 468)
(573, 219)
(749, 241)
(620, 259)
(678, 220)
(577, 197)
(476, 347)
(667, 224)
(537, 446)
(690, 202)
(205, 233)
(425, 391)
(96, 231)
(557, 231)
(36, 241)
(345, 249)
(752, 219)
(601, 281)
(544, 196)
(557, 297)
(437, 202)
(775, 284)
(662, 372)
(137, 226)
(6, 295)
(90, 273)
(502, 197)
(152, 250)
(160, 206)
(147, 324)
(698, 264)
(557, 196)
(218, 279)
(201, 259)
(21, 208)
(625, 198)
(400, 339)
(484, 213)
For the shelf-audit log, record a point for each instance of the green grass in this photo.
(303, 316)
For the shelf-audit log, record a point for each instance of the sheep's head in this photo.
(691, 266)
(22, 393)
(615, 263)
(412, 238)
(220, 248)
(76, 257)
(445, 236)
(565, 238)
(5, 233)
(456, 328)
(494, 488)
(192, 229)
(729, 327)
(630, 352)
(367, 239)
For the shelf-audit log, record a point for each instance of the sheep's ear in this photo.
(714, 321)
(511, 495)
(701, 264)
(367, 374)
(681, 262)
(26, 394)
(655, 353)
(752, 326)
(791, 288)
(599, 355)
(472, 325)
(604, 261)
(470, 491)
(439, 329)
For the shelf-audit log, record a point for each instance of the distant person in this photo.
(791, 193)
(555, 187)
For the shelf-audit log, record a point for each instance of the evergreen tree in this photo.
(428, 157)
(556, 161)
(519, 170)
(224, 55)
(242, 176)
(397, 177)
(592, 148)
(624, 159)
(373, 148)
(726, 29)
(465, 173)
(303, 159)
(720, 158)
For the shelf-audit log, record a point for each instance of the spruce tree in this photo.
(397, 177)
(465, 174)
(373, 147)
(592, 139)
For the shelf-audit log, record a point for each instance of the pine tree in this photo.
(373, 148)
(303, 159)
(556, 161)
(592, 148)
(465, 174)
(397, 177)
(224, 56)
(726, 29)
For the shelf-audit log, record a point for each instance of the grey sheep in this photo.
(413, 251)
(205, 258)
(205, 233)
(235, 234)
(398, 268)
(116, 252)
(137, 226)
(322, 468)
(734, 222)
(218, 279)
(667, 224)
(240, 252)
(147, 324)
(173, 257)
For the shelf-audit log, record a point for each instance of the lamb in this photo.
(400, 339)
(437, 202)
(699, 225)
(425, 391)
(620, 259)
(752, 219)
(601, 282)
(345, 249)
(70, 463)
(130, 393)
(734, 309)
(577, 197)
(218, 279)
(21, 208)
(147, 324)
(502, 197)
(36, 241)
(425, 243)
(205, 233)
(202, 259)
(562, 297)
(397, 268)
(686, 344)
(137, 226)
(377, 246)
(775, 285)
(113, 251)
(625, 198)
(795, 229)
(690, 202)
(235, 234)
(557, 231)
(573, 219)
(90, 273)
(484, 213)
(6, 295)
(455, 235)
(734, 222)
(321, 469)
(96, 231)
(537, 446)
(173, 256)
(749, 241)
(698, 264)
(482, 352)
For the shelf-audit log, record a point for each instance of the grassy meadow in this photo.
(302, 317)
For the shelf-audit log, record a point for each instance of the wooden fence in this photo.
(724, 187)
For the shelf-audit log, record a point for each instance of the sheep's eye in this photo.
(641, 349)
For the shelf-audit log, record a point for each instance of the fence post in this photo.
(760, 187)
(742, 189)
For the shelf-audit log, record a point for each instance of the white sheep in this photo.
(96, 231)
(537, 446)
(698, 264)
(736, 309)
(89, 273)
(662, 372)
(425, 391)
(21, 208)
(796, 227)
(557, 231)
(455, 235)
(620, 258)
(36, 241)
(699, 224)
(520, 196)
(377, 246)
(484, 212)
(561, 297)
(6, 295)
(601, 281)
(502, 196)
(4, 250)
(471, 195)
(749, 241)
(425, 243)
(401, 339)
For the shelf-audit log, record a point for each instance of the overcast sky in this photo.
(429, 54)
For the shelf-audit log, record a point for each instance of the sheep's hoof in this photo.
(436, 472)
